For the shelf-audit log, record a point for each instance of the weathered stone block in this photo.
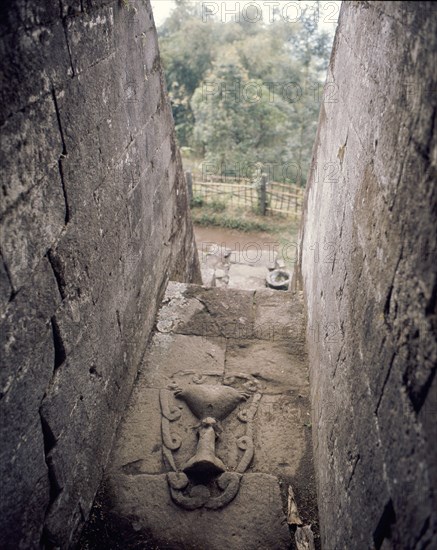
(276, 366)
(28, 358)
(25, 487)
(33, 62)
(92, 32)
(280, 316)
(145, 500)
(281, 428)
(212, 313)
(31, 228)
(175, 354)
(94, 223)
(31, 147)
(138, 448)
(368, 386)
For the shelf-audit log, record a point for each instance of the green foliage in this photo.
(242, 220)
(227, 83)
(208, 218)
(196, 201)
(217, 205)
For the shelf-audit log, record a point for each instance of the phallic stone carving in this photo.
(205, 463)
(203, 480)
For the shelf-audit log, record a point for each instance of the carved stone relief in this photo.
(204, 480)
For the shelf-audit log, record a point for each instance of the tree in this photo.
(187, 52)
(245, 92)
(236, 121)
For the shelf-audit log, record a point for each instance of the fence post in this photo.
(189, 178)
(263, 195)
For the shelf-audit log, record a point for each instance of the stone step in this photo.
(214, 345)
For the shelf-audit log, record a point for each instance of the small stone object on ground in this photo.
(278, 279)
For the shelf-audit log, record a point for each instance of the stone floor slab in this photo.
(280, 316)
(194, 310)
(137, 448)
(207, 337)
(172, 354)
(247, 277)
(254, 520)
(280, 432)
(273, 363)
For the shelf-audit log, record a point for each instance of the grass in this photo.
(230, 223)
(220, 215)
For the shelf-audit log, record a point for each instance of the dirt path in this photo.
(284, 245)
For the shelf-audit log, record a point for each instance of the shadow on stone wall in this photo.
(368, 271)
(94, 223)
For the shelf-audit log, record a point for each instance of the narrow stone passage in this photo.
(214, 348)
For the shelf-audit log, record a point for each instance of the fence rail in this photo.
(267, 198)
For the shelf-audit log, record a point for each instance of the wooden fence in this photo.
(267, 198)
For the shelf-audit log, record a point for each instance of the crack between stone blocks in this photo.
(401, 173)
(357, 459)
(431, 133)
(58, 118)
(423, 531)
(63, 155)
(64, 25)
(225, 358)
(385, 383)
(13, 292)
(55, 489)
(49, 438)
(58, 344)
(57, 272)
(389, 294)
(337, 361)
(210, 313)
(117, 313)
(88, 67)
(64, 192)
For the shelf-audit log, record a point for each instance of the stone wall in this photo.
(368, 269)
(94, 223)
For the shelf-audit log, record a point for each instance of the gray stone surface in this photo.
(207, 312)
(134, 508)
(368, 270)
(172, 354)
(273, 363)
(247, 277)
(93, 224)
(280, 317)
(138, 447)
(26, 367)
(255, 518)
